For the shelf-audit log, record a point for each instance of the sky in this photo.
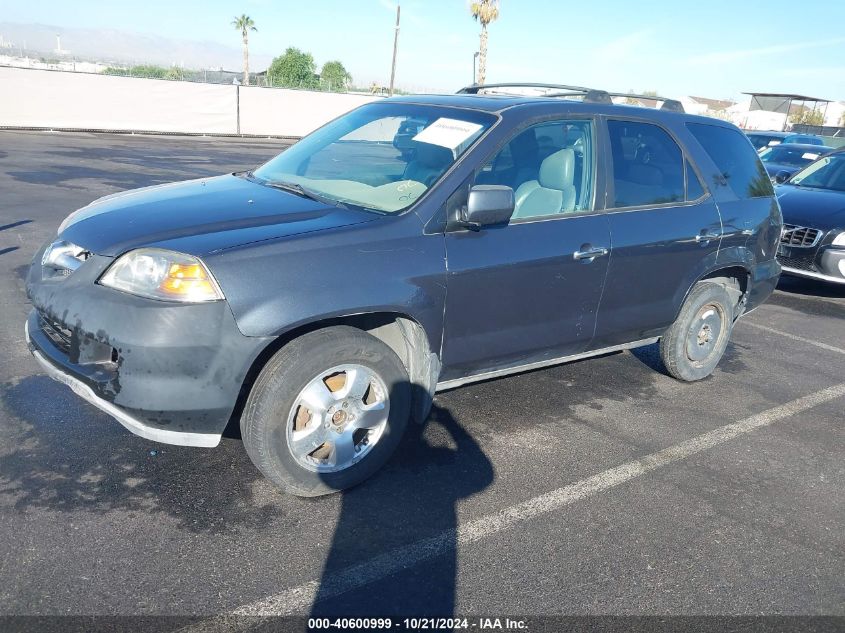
(715, 49)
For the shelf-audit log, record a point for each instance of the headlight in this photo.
(159, 274)
(839, 240)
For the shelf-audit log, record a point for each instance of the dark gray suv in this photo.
(322, 299)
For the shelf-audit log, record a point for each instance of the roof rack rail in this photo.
(562, 90)
(476, 88)
(670, 105)
(589, 95)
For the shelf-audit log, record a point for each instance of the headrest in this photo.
(433, 155)
(524, 147)
(558, 170)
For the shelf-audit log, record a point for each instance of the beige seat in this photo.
(553, 191)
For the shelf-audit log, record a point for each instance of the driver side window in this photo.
(549, 166)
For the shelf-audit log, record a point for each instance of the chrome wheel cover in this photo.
(337, 418)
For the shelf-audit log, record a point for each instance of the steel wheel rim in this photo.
(705, 333)
(337, 418)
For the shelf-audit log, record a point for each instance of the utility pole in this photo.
(395, 47)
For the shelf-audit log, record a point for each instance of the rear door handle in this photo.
(707, 237)
(590, 253)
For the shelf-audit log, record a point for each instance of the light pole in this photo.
(395, 47)
(474, 57)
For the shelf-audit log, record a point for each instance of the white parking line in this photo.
(794, 337)
(298, 599)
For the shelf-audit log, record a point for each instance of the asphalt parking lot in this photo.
(599, 487)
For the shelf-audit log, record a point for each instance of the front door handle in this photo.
(590, 253)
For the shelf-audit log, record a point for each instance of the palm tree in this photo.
(245, 24)
(485, 12)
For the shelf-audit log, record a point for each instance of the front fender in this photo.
(384, 266)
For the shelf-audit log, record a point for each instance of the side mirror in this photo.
(782, 176)
(487, 205)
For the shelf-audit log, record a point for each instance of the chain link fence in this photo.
(819, 130)
(220, 76)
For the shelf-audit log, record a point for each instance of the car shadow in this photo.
(66, 456)
(446, 465)
(731, 362)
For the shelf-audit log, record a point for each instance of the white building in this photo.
(705, 106)
(833, 114)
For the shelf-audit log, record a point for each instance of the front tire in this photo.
(326, 411)
(696, 341)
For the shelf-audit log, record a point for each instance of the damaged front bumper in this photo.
(168, 372)
(135, 425)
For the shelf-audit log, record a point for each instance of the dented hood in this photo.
(199, 217)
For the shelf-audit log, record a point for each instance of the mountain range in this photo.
(126, 47)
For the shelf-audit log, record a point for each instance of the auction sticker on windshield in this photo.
(448, 133)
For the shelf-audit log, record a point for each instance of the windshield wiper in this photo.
(304, 192)
(298, 189)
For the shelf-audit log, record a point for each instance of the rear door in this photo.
(665, 231)
(750, 212)
(523, 293)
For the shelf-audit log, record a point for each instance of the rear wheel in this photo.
(327, 411)
(696, 341)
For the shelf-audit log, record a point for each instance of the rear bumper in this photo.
(764, 280)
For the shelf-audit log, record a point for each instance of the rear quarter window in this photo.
(735, 158)
(648, 165)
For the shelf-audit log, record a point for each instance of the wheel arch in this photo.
(399, 331)
(736, 279)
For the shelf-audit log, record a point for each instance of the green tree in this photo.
(484, 12)
(245, 24)
(175, 72)
(295, 69)
(335, 75)
(805, 116)
(149, 71)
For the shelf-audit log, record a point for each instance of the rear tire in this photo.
(696, 341)
(327, 411)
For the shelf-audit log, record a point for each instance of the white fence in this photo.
(32, 98)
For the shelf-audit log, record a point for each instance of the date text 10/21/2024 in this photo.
(418, 624)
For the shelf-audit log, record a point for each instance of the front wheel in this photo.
(696, 341)
(327, 411)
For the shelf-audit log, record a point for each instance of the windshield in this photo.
(785, 155)
(759, 141)
(828, 173)
(805, 140)
(382, 156)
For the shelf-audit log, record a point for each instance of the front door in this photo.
(529, 291)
